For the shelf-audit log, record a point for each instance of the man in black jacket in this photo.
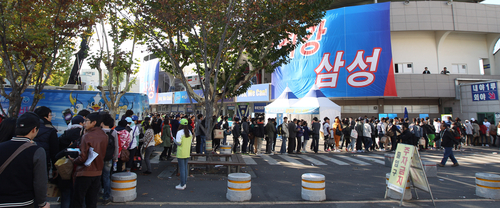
(292, 133)
(316, 126)
(406, 136)
(236, 134)
(24, 180)
(47, 136)
(447, 142)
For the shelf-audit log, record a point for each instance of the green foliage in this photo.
(62, 68)
(229, 41)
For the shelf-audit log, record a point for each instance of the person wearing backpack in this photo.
(111, 156)
(135, 132)
(337, 133)
(166, 136)
(124, 141)
(456, 131)
(148, 145)
(392, 129)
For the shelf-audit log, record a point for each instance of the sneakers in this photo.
(107, 201)
(179, 187)
(272, 153)
(486, 145)
(440, 165)
(455, 165)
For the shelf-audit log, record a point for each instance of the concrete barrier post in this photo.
(430, 169)
(389, 157)
(123, 186)
(225, 149)
(313, 187)
(488, 185)
(396, 195)
(239, 187)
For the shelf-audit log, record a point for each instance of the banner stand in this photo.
(404, 169)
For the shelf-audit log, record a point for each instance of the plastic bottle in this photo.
(114, 166)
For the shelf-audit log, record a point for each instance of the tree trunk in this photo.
(15, 105)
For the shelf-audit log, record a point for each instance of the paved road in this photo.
(353, 180)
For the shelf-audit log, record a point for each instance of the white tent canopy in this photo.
(281, 104)
(316, 103)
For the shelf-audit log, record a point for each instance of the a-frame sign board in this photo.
(407, 163)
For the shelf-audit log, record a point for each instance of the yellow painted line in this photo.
(493, 181)
(308, 181)
(487, 187)
(123, 189)
(237, 189)
(225, 147)
(313, 189)
(128, 181)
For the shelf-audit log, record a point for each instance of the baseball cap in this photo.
(122, 123)
(128, 119)
(135, 118)
(28, 120)
(184, 121)
(77, 120)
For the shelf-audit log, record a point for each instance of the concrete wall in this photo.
(468, 108)
(463, 48)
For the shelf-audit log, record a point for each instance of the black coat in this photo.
(447, 138)
(406, 137)
(69, 136)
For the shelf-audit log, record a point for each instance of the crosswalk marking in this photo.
(291, 160)
(366, 157)
(248, 160)
(310, 159)
(269, 160)
(353, 160)
(338, 162)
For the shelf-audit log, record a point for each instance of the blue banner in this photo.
(347, 55)
(165, 98)
(258, 92)
(183, 98)
(484, 91)
(259, 107)
(65, 104)
(149, 80)
(243, 111)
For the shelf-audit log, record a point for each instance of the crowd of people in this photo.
(129, 146)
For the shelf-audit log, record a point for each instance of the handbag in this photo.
(338, 132)
(219, 134)
(354, 133)
(125, 155)
(421, 141)
(158, 139)
(64, 168)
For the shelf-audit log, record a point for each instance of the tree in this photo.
(62, 68)
(31, 35)
(118, 63)
(229, 41)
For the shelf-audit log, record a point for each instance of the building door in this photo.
(489, 116)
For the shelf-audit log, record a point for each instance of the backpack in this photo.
(124, 154)
(389, 131)
(280, 129)
(110, 149)
(338, 132)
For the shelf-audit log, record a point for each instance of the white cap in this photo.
(472, 119)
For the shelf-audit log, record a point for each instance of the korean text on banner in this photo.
(401, 167)
(484, 91)
(347, 55)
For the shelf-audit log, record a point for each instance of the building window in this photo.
(459, 69)
(403, 68)
(411, 108)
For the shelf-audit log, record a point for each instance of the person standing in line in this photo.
(447, 143)
(367, 135)
(183, 140)
(227, 130)
(326, 131)
(305, 136)
(429, 132)
(316, 126)
(360, 129)
(24, 179)
(148, 146)
(476, 133)
(299, 136)
(166, 136)
(482, 132)
(284, 136)
(270, 132)
(245, 129)
(493, 135)
(47, 136)
(134, 132)
(275, 136)
(381, 133)
(468, 132)
(175, 126)
(107, 123)
(88, 178)
(259, 134)
(236, 134)
(292, 133)
(437, 126)
(337, 127)
(392, 131)
(197, 133)
(373, 126)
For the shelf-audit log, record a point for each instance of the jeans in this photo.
(482, 139)
(183, 169)
(85, 192)
(448, 152)
(274, 142)
(283, 145)
(359, 142)
(245, 143)
(368, 143)
(106, 179)
(315, 141)
(149, 150)
(202, 148)
(352, 144)
(66, 197)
